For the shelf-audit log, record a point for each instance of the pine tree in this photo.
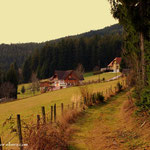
(135, 14)
(35, 60)
(23, 90)
(12, 78)
(26, 71)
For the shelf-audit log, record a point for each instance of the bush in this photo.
(144, 102)
(48, 138)
(103, 79)
(94, 98)
(119, 86)
(86, 95)
(99, 97)
(51, 137)
(23, 90)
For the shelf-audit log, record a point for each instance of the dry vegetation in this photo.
(112, 127)
(52, 136)
(30, 107)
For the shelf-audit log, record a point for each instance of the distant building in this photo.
(63, 79)
(45, 86)
(115, 65)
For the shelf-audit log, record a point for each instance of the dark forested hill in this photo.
(66, 54)
(19, 52)
(106, 31)
(10, 53)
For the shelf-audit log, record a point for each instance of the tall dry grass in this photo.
(54, 136)
(90, 97)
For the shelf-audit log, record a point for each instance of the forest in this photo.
(67, 54)
(94, 49)
(134, 16)
(10, 53)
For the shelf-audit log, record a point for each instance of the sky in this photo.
(24, 21)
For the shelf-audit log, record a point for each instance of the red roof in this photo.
(62, 75)
(117, 59)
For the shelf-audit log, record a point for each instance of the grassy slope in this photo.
(88, 77)
(30, 107)
(104, 127)
(101, 76)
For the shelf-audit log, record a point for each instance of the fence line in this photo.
(53, 111)
(1, 147)
(19, 131)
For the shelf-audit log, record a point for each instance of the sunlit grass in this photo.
(29, 107)
(101, 76)
(87, 77)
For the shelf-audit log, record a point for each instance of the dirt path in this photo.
(109, 127)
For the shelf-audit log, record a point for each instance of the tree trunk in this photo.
(142, 58)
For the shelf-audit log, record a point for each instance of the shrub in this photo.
(103, 79)
(93, 98)
(99, 97)
(144, 102)
(23, 90)
(86, 95)
(70, 117)
(119, 86)
(47, 138)
(51, 136)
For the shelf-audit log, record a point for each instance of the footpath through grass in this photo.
(28, 108)
(103, 128)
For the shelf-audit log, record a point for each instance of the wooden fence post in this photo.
(19, 131)
(1, 147)
(38, 121)
(51, 114)
(84, 100)
(54, 112)
(93, 99)
(62, 109)
(43, 115)
(115, 89)
(68, 106)
(76, 104)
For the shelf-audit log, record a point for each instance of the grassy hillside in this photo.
(10, 53)
(87, 76)
(28, 108)
(107, 76)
